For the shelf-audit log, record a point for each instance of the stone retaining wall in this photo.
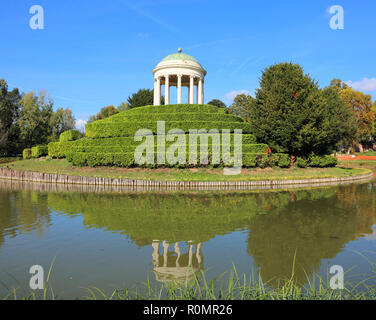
(9, 174)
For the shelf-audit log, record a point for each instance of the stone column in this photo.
(158, 92)
(203, 86)
(179, 89)
(191, 89)
(167, 89)
(155, 92)
(200, 92)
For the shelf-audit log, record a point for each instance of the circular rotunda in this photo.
(179, 70)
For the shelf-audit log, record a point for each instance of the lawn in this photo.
(198, 174)
(7, 160)
(367, 164)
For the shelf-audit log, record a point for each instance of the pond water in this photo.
(115, 240)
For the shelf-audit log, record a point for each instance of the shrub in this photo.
(39, 151)
(322, 161)
(70, 135)
(26, 154)
(281, 160)
(263, 161)
(284, 160)
(302, 163)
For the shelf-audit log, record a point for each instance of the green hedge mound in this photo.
(111, 141)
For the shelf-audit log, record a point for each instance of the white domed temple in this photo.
(179, 70)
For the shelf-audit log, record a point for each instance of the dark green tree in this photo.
(9, 112)
(218, 103)
(292, 115)
(143, 97)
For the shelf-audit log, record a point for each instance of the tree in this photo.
(35, 119)
(124, 106)
(241, 106)
(9, 112)
(218, 103)
(104, 113)
(143, 97)
(62, 120)
(338, 84)
(292, 115)
(362, 106)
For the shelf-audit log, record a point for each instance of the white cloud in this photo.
(80, 125)
(364, 85)
(229, 97)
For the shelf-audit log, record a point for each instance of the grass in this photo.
(8, 160)
(367, 164)
(366, 153)
(55, 166)
(235, 287)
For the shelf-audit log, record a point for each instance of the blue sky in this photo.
(94, 53)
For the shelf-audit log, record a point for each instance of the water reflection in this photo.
(310, 225)
(176, 265)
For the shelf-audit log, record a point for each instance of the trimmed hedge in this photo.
(126, 159)
(175, 108)
(168, 117)
(127, 144)
(102, 129)
(26, 154)
(39, 151)
(70, 135)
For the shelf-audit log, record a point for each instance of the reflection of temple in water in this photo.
(175, 265)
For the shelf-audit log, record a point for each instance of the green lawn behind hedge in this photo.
(62, 166)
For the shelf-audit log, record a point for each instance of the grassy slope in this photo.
(64, 167)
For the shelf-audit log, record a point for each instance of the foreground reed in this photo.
(234, 287)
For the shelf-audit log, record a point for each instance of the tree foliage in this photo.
(104, 113)
(362, 106)
(241, 106)
(218, 103)
(143, 97)
(35, 119)
(28, 120)
(9, 111)
(292, 115)
(62, 120)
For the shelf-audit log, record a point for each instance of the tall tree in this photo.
(35, 119)
(293, 115)
(143, 97)
(9, 112)
(62, 120)
(362, 106)
(242, 106)
(218, 103)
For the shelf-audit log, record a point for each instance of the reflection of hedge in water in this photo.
(172, 217)
(315, 226)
